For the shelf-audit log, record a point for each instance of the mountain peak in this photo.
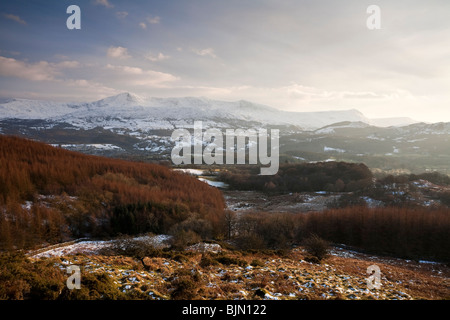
(124, 98)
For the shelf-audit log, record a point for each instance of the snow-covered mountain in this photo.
(131, 126)
(134, 113)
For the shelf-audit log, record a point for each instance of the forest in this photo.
(303, 177)
(416, 234)
(50, 195)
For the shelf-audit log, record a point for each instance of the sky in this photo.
(295, 55)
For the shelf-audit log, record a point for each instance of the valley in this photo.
(218, 270)
(224, 159)
(98, 190)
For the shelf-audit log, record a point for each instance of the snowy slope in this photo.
(130, 111)
(35, 109)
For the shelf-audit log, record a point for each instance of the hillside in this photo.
(51, 195)
(211, 272)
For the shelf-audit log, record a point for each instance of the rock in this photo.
(261, 292)
(205, 247)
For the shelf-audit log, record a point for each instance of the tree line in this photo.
(418, 233)
(304, 177)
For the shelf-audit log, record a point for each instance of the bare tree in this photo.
(230, 222)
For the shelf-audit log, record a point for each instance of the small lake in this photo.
(202, 175)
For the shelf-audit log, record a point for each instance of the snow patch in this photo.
(329, 149)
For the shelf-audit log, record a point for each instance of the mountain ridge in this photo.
(128, 106)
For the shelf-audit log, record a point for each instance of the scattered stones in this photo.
(272, 278)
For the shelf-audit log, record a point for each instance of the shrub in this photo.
(183, 238)
(94, 287)
(316, 247)
(21, 279)
(226, 260)
(207, 261)
(201, 227)
(251, 241)
(256, 263)
(186, 284)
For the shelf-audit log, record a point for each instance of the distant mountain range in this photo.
(127, 125)
(135, 113)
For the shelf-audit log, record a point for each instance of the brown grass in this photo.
(286, 276)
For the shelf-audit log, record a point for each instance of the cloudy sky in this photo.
(298, 55)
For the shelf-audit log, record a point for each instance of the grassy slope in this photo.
(262, 275)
